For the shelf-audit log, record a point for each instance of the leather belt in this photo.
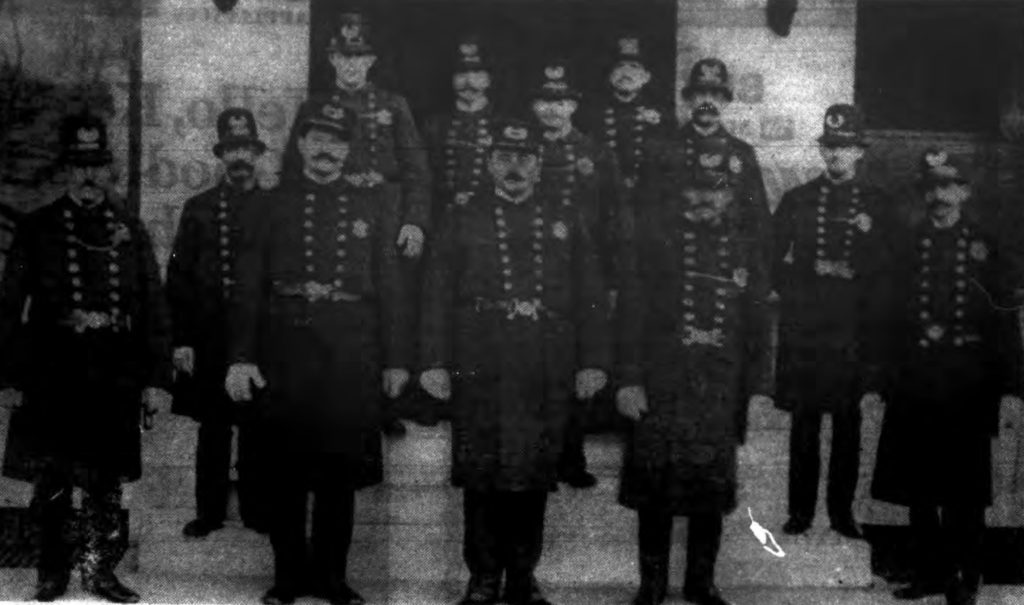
(513, 307)
(314, 291)
(80, 321)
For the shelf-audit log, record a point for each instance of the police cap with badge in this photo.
(83, 141)
(556, 85)
(469, 57)
(843, 127)
(352, 38)
(236, 127)
(510, 134)
(937, 169)
(327, 117)
(629, 51)
(708, 75)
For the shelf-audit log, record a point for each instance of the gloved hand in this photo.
(154, 401)
(411, 238)
(589, 382)
(11, 398)
(631, 402)
(394, 381)
(240, 380)
(437, 383)
(1011, 410)
(185, 359)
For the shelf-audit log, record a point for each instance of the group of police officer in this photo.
(643, 254)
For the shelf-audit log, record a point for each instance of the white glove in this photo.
(11, 398)
(437, 383)
(631, 402)
(589, 382)
(761, 401)
(240, 380)
(185, 359)
(394, 381)
(411, 238)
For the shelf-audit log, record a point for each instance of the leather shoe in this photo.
(200, 528)
(482, 590)
(847, 528)
(707, 596)
(524, 593)
(579, 479)
(278, 596)
(961, 593)
(918, 590)
(797, 525)
(51, 589)
(342, 595)
(110, 589)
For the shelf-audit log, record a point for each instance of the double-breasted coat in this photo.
(626, 128)
(953, 344)
(322, 307)
(514, 305)
(200, 284)
(832, 270)
(694, 331)
(457, 144)
(386, 145)
(84, 327)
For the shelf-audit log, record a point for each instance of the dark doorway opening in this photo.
(416, 39)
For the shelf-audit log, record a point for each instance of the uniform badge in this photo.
(935, 332)
(735, 165)
(710, 160)
(740, 277)
(462, 198)
(121, 235)
(384, 117)
(559, 230)
(863, 222)
(651, 116)
(485, 141)
(979, 251)
(360, 229)
(585, 166)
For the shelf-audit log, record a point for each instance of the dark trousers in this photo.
(945, 541)
(573, 460)
(213, 474)
(333, 518)
(102, 543)
(504, 532)
(703, 540)
(805, 461)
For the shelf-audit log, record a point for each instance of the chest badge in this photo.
(735, 165)
(462, 198)
(651, 116)
(979, 251)
(741, 277)
(560, 230)
(585, 166)
(863, 222)
(935, 332)
(360, 229)
(383, 117)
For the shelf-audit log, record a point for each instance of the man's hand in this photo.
(394, 381)
(437, 383)
(761, 401)
(240, 380)
(589, 382)
(411, 238)
(1011, 409)
(631, 402)
(10, 398)
(185, 359)
(154, 401)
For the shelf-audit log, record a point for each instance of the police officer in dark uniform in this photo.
(577, 170)
(86, 340)
(955, 360)
(323, 309)
(707, 94)
(514, 306)
(695, 334)
(200, 283)
(458, 141)
(833, 247)
(627, 119)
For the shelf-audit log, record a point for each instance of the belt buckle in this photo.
(524, 308)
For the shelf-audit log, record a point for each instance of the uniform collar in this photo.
(354, 92)
(506, 198)
(476, 111)
(690, 129)
(79, 203)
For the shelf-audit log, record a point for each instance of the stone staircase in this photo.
(409, 529)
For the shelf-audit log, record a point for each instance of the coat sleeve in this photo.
(14, 294)
(182, 282)
(878, 305)
(414, 167)
(783, 240)
(439, 294)
(395, 294)
(250, 293)
(1008, 355)
(155, 314)
(612, 197)
(633, 302)
(759, 213)
(593, 346)
(757, 343)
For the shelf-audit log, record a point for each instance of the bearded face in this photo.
(471, 86)
(352, 71)
(841, 160)
(555, 115)
(515, 172)
(706, 107)
(323, 152)
(629, 77)
(239, 164)
(90, 183)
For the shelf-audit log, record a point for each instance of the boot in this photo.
(653, 581)
(524, 591)
(51, 586)
(482, 590)
(106, 586)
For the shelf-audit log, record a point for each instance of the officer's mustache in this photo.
(327, 157)
(239, 166)
(90, 183)
(707, 110)
(936, 205)
(515, 177)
